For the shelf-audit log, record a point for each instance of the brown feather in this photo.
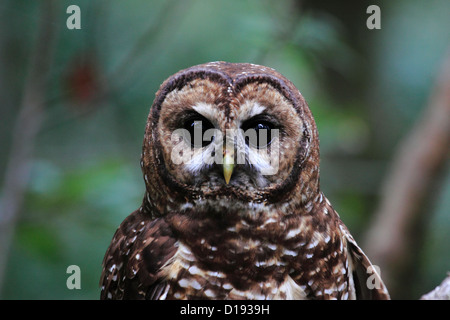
(132, 266)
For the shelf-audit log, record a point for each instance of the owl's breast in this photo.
(190, 278)
(262, 256)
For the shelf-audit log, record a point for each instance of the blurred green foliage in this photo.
(365, 88)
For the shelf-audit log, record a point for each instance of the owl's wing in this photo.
(366, 277)
(133, 264)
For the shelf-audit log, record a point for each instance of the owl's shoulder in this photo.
(141, 246)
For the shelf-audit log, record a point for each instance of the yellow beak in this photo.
(228, 164)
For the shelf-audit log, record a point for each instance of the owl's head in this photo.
(228, 132)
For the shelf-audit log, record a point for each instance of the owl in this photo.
(233, 207)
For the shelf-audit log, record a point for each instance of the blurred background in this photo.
(74, 104)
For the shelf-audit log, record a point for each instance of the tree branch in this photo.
(392, 240)
(25, 131)
(441, 292)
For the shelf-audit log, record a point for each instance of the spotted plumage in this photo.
(254, 228)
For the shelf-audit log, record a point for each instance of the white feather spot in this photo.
(194, 270)
(184, 283)
(289, 252)
(329, 291)
(270, 220)
(186, 206)
(292, 233)
(210, 294)
(313, 244)
(177, 295)
(227, 286)
(309, 207)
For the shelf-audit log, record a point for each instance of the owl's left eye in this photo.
(197, 125)
(258, 132)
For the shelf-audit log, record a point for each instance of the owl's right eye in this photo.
(197, 125)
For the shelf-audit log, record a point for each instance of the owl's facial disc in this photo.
(216, 142)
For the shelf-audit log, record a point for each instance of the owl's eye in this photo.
(197, 125)
(258, 132)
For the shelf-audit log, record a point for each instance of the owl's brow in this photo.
(205, 109)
